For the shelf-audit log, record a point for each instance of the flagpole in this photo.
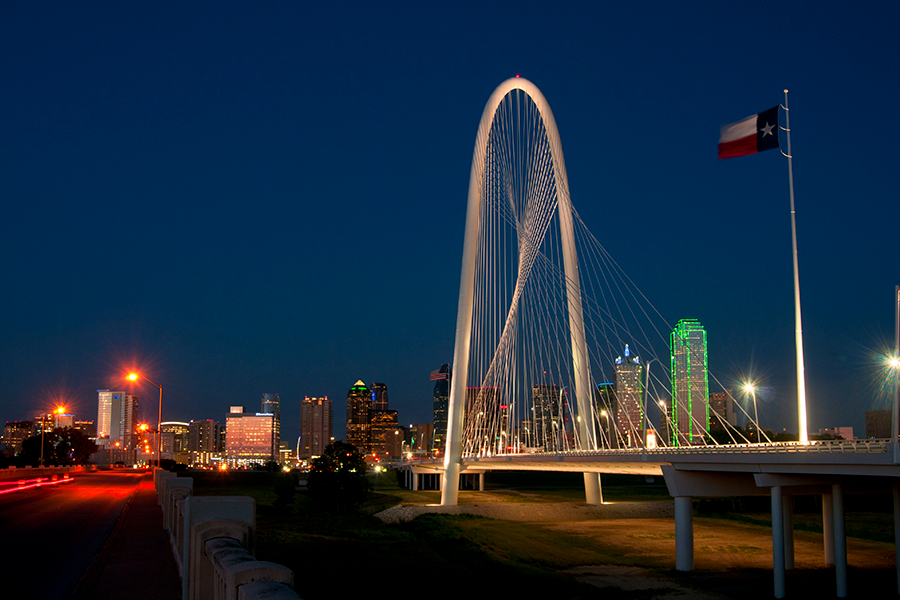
(798, 334)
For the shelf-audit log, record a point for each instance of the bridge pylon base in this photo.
(593, 491)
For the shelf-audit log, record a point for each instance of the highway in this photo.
(51, 534)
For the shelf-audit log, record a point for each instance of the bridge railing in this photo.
(212, 539)
(872, 446)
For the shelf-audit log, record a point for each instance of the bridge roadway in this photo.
(779, 470)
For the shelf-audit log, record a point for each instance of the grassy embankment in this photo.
(357, 553)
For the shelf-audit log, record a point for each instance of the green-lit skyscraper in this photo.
(690, 384)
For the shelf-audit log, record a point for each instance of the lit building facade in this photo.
(385, 430)
(379, 396)
(721, 407)
(315, 426)
(271, 405)
(605, 413)
(441, 404)
(629, 394)
(116, 419)
(545, 432)
(359, 429)
(249, 437)
(174, 437)
(690, 385)
(14, 433)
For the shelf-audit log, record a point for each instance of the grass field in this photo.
(447, 556)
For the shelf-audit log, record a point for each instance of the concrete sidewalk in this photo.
(136, 562)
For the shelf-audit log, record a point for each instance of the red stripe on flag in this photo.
(741, 147)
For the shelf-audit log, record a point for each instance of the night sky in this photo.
(241, 198)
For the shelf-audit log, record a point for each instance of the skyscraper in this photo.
(315, 426)
(690, 384)
(359, 403)
(629, 391)
(116, 415)
(379, 396)
(441, 379)
(271, 405)
(546, 419)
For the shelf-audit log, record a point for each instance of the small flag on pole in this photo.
(754, 134)
(436, 375)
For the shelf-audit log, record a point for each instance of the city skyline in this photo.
(161, 177)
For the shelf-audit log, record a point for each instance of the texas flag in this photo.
(751, 135)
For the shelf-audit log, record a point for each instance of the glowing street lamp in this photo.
(750, 388)
(134, 377)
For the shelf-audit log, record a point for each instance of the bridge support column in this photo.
(896, 492)
(778, 541)
(840, 541)
(593, 493)
(481, 483)
(684, 533)
(787, 502)
(828, 528)
(415, 481)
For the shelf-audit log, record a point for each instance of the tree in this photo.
(62, 446)
(337, 479)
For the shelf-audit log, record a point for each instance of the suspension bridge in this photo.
(562, 364)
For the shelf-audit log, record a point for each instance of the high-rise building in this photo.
(359, 404)
(315, 426)
(629, 395)
(14, 433)
(249, 437)
(690, 384)
(441, 396)
(546, 422)
(379, 396)
(721, 411)
(175, 436)
(116, 419)
(605, 414)
(878, 424)
(271, 405)
(385, 431)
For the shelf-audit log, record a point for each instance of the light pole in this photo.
(751, 389)
(135, 377)
(605, 415)
(895, 363)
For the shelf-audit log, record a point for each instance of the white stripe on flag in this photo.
(741, 129)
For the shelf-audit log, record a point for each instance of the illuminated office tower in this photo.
(271, 405)
(203, 436)
(441, 397)
(175, 436)
(546, 421)
(690, 384)
(629, 392)
(249, 436)
(379, 396)
(359, 404)
(315, 426)
(116, 414)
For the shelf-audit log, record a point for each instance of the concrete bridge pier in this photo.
(828, 528)
(684, 533)
(778, 556)
(787, 501)
(840, 540)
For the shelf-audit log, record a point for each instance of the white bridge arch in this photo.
(530, 229)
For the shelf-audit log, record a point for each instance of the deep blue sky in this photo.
(244, 198)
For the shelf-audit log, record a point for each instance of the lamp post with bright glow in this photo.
(895, 365)
(751, 389)
(135, 377)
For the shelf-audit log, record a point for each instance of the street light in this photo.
(751, 389)
(605, 414)
(135, 377)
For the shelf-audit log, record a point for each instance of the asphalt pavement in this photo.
(136, 561)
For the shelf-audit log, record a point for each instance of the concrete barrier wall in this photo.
(213, 538)
(35, 472)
